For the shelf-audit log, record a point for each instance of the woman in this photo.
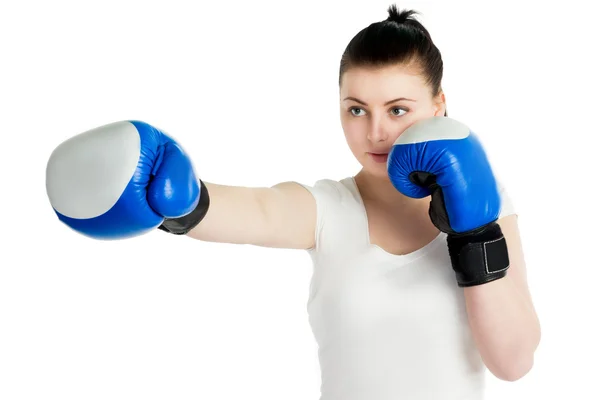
(385, 308)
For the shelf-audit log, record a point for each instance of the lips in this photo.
(379, 157)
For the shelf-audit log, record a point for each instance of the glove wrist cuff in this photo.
(182, 225)
(480, 256)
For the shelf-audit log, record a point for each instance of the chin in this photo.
(381, 173)
(376, 169)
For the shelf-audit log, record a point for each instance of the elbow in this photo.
(518, 364)
(514, 370)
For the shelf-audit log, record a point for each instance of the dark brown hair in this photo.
(399, 39)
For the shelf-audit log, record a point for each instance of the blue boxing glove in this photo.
(441, 157)
(123, 180)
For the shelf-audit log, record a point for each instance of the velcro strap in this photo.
(479, 258)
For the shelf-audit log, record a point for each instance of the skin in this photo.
(502, 316)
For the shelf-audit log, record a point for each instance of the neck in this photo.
(380, 190)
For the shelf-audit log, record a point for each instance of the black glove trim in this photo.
(182, 225)
(479, 257)
(437, 205)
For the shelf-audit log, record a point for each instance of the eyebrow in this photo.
(388, 102)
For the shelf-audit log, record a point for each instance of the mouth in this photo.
(378, 157)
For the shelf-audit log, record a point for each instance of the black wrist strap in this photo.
(182, 225)
(479, 257)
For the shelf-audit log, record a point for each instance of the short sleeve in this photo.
(507, 205)
(327, 196)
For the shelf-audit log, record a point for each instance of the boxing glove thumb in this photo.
(173, 190)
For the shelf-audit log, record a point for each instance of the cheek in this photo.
(409, 119)
(354, 130)
(402, 124)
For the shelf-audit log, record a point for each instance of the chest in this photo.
(372, 288)
(400, 232)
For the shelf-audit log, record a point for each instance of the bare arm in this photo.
(282, 216)
(502, 315)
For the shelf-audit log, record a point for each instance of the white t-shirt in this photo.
(388, 327)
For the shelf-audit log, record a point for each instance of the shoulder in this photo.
(328, 190)
(338, 208)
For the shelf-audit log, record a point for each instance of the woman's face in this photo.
(377, 105)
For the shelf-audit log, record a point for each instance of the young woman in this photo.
(396, 310)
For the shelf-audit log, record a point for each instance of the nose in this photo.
(377, 131)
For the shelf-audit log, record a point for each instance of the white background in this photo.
(250, 90)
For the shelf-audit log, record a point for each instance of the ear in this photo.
(440, 104)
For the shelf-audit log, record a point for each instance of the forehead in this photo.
(383, 83)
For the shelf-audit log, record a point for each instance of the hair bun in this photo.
(400, 17)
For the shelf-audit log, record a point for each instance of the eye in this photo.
(352, 109)
(398, 112)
